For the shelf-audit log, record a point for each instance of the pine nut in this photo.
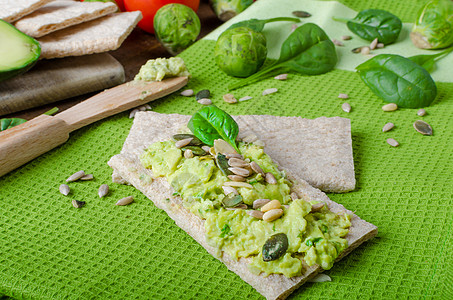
(272, 215)
(274, 204)
(390, 107)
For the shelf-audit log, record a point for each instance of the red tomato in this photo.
(150, 7)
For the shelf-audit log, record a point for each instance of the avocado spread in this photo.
(314, 236)
(160, 68)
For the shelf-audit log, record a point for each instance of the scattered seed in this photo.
(205, 101)
(301, 14)
(125, 201)
(373, 44)
(255, 214)
(206, 148)
(229, 189)
(237, 162)
(357, 50)
(423, 127)
(380, 45)
(75, 176)
(103, 190)
(182, 143)
(188, 153)
(346, 37)
(257, 169)
(187, 93)
(421, 112)
(343, 96)
(245, 98)
(87, 177)
(320, 278)
(317, 207)
(133, 112)
(203, 94)
(392, 142)
(237, 178)
(260, 202)
(387, 127)
(148, 107)
(229, 98)
(240, 171)
(281, 77)
(346, 107)
(269, 91)
(270, 178)
(365, 50)
(274, 204)
(142, 108)
(238, 184)
(64, 189)
(390, 107)
(337, 42)
(272, 215)
(77, 203)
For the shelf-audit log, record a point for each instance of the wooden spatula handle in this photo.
(27, 141)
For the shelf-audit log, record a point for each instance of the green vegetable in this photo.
(258, 25)
(308, 50)
(398, 80)
(240, 51)
(18, 51)
(211, 123)
(7, 123)
(374, 23)
(225, 231)
(428, 61)
(176, 26)
(226, 9)
(433, 28)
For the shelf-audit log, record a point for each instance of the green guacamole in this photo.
(160, 68)
(313, 237)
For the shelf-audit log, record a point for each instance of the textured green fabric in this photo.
(50, 250)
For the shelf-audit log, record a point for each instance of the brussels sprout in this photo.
(226, 9)
(433, 28)
(240, 51)
(176, 26)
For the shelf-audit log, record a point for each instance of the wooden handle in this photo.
(22, 143)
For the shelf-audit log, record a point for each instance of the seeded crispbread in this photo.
(12, 10)
(96, 36)
(61, 14)
(150, 127)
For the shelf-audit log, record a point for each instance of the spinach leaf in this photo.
(374, 23)
(211, 123)
(308, 50)
(399, 80)
(258, 25)
(428, 61)
(7, 123)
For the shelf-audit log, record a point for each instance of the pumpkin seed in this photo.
(182, 143)
(274, 204)
(317, 207)
(387, 127)
(240, 171)
(421, 112)
(103, 190)
(373, 44)
(222, 146)
(77, 203)
(75, 176)
(87, 177)
(270, 178)
(125, 201)
(281, 77)
(255, 214)
(346, 37)
(245, 98)
(392, 142)
(337, 42)
(423, 127)
(195, 150)
(235, 155)
(275, 247)
(203, 94)
(390, 107)
(259, 203)
(240, 206)
(229, 98)
(238, 184)
(182, 136)
(272, 215)
(229, 189)
(301, 14)
(64, 189)
(231, 200)
(237, 162)
(269, 91)
(187, 93)
(346, 107)
(188, 153)
(343, 96)
(222, 163)
(236, 178)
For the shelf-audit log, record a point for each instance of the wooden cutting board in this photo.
(57, 79)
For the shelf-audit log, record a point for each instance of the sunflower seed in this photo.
(387, 127)
(206, 148)
(182, 143)
(229, 189)
(103, 190)
(64, 189)
(234, 155)
(87, 177)
(75, 176)
(148, 107)
(188, 153)
(346, 37)
(390, 107)
(301, 14)
(236, 178)
(257, 169)
(238, 184)
(281, 77)
(392, 142)
(272, 215)
(373, 44)
(423, 127)
(142, 108)
(337, 42)
(270, 178)
(245, 98)
(236, 162)
(357, 50)
(187, 93)
(365, 50)
(317, 207)
(346, 107)
(260, 202)
(255, 214)
(77, 203)
(205, 101)
(133, 112)
(320, 278)
(203, 94)
(380, 45)
(125, 201)
(229, 98)
(240, 171)
(269, 91)
(343, 96)
(421, 112)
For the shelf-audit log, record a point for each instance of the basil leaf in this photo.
(428, 61)
(398, 80)
(211, 123)
(8, 123)
(374, 23)
(258, 25)
(308, 50)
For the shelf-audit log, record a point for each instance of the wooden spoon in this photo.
(22, 143)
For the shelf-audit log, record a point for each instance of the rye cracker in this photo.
(100, 35)
(12, 10)
(128, 169)
(61, 14)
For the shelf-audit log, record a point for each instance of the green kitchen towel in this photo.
(51, 250)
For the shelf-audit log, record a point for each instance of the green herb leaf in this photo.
(308, 50)
(258, 25)
(211, 123)
(225, 231)
(309, 243)
(398, 80)
(7, 123)
(374, 23)
(428, 61)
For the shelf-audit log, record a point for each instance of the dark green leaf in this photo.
(398, 80)
(428, 61)
(211, 123)
(225, 231)
(258, 25)
(8, 123)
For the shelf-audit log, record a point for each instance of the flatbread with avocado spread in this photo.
(249, 246)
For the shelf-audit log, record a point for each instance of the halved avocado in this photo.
(18, 51)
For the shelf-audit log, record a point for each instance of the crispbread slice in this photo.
(100, 35)
(12, 10)
(61, 14)
(128, 169)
